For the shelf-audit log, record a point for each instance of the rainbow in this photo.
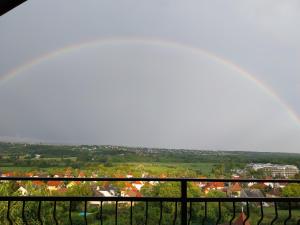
(156, 42)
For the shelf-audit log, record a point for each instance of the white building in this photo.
(275, 169)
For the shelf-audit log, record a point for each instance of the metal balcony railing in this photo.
(168, 210)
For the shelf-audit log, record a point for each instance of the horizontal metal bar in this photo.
(280, 199)
(87, 198)
(148, 179)
(143, 199)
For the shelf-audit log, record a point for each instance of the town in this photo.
(56, 161)
(135, 188)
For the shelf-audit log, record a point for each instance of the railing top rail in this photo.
(144, 199)
(147, 179)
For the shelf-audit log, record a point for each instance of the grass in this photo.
(4, 169)
(74, 159)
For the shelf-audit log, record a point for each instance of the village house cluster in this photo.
(133, 189)
(106, 189)
(242, 189)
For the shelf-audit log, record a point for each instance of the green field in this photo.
(161, 168)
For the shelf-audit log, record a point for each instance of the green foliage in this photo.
(291, 190)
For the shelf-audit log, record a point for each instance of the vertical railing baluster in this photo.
(39, 213)
(85, 212)
(220, 214)
(8, 214)
(70, 213)
(23, 213)
(205, 213)
(54, 213)
(101, 211)
(116, 213)
(160, 215)
(290, 214)
(175, 215)
(190, 216)
(146, 213)
(276, 213)
(248, 214)
(233, 214)
(261, 213)
(183, 202)
(130, 212)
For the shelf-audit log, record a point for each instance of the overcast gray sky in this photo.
(141, 92)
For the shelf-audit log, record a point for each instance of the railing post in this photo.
(183, 202)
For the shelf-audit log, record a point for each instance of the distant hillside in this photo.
(93, 153)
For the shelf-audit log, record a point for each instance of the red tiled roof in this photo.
(215, 185)
(219, 184)
(81, 174)
(236, 187)
(38, 182)
(54, 183)
(240, 220)
(8, 174)
(133, 193)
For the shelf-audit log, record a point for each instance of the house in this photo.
(8, 174)
(138, 185)
(29, 174)
(274, 193)
(250, 184)
(214, 186)
(54, 185)
(252, 193)
(280, 185)
(108, 191)
(102, 193)
(235, 190)
(240, 220)
(132, 193)
(235, 176)
(81, 175)
(153, 183)
(106, 194)
(22, 191)
(73, 183)
(201, 184)
(269, 184)
(275, 170)
(58, 175)
(68, 173)
(37, 183)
